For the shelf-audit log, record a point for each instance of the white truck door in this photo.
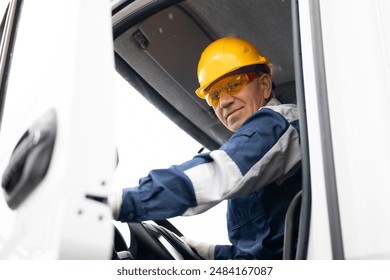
(56, 138)
(346, 62)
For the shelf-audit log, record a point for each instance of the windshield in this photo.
(146, 139)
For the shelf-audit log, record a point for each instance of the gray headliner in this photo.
(177, 36)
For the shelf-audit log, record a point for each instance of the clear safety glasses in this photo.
(230, 85)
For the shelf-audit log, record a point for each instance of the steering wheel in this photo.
(120, 250)
(153, 241)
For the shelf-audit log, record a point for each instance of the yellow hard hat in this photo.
(224, 56)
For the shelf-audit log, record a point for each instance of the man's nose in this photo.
(225, 99)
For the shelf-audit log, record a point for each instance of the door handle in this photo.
(30, 160)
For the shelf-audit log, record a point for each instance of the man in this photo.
(257, 170)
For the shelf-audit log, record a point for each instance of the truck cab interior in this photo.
(157, 47)
(157, 51)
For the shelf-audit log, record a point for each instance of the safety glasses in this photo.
(230, 85)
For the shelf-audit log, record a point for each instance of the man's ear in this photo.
(266, 83)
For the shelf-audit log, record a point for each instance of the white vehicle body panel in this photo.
(355, 36)
(319, 230)
(359, 98)
(66, 74)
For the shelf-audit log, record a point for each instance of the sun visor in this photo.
(174, 41)
(164, 49)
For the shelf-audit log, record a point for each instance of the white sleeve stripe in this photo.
(212, 181)
(222, 179)
(276, 165)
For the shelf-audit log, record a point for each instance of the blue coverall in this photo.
(257, 170)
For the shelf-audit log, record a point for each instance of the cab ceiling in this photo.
(159, 54)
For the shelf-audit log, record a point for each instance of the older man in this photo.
(257, 170)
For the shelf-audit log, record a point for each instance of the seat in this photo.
(286, 93)
(291, 227)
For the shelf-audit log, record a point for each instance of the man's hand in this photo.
(204, 250)
(114, 201)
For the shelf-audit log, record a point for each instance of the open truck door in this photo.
(56, 137)
(342, 75)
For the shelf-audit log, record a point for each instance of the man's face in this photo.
(234, 109)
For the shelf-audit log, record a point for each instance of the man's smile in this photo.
(231, 112)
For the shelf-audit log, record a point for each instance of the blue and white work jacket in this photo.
(257, 171)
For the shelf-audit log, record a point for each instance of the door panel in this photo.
(358, 80)
(345, 61)
(62, 64)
